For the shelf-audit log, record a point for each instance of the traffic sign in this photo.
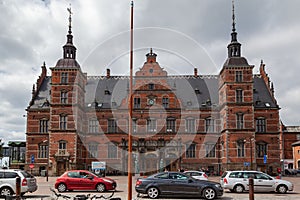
(265, 158)
(31, 166)
(32, 158)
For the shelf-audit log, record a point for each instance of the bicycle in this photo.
(104, 197)
(77, 197)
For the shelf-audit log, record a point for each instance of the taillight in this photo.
(225, 180)
(24, 182)
(205, 175)
(138, 182)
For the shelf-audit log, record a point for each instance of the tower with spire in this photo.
(236, 100)
(67, 101)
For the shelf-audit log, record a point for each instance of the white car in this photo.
(8, 182)
(197, 175)
(238, 181)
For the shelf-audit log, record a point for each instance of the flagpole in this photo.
(129, 169)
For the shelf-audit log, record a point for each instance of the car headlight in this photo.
(218, 185)
(108, 181)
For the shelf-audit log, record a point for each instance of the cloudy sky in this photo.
(184, 33)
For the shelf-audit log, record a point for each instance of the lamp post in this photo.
(179, 145)
(251, 153)
(48, 160)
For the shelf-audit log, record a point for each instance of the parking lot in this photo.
(45, 193)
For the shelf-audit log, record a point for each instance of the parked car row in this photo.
(172, 184)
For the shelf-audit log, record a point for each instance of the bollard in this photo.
(18, 188)
(251, 189)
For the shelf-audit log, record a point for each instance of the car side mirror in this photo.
(190, 181)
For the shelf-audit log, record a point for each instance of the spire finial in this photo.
(69, 50)
(151, 52)
(233, 17)
(70, 19)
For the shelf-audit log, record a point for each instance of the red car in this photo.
(83, 180)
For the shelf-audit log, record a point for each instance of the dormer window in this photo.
(197, 91)
(106, 92)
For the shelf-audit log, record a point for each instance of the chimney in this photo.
(107, 73)
(195, 72)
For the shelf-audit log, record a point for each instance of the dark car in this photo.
(179, 185)
(83, 180)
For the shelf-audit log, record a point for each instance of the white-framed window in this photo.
(239, 120)
(261, 149)
(210, 150)
(63, 122)
(64, 77)
(44, 125)
(63, 97)
(93, 150)
(239, 96)
(240, 148)
(238, 76)
(190, 125)
(137, 102)
(171, 125)
(151, 125)
(112, 150)
(190, 151)
(93, 126)
(210, 126)
(43, 151)
(261, 125)
(112, 126)
(165, 102)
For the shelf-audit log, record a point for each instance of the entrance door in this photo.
(61, 168)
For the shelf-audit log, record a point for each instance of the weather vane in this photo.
(70, 19)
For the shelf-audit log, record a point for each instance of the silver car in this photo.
(8, 182)
(238, 181)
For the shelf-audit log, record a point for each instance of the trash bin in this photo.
(43, 173)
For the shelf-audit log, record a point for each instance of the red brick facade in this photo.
(217, 122)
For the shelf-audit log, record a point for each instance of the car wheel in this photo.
(282, 189)
(239, 188)
(153, 192)
(209, 193)
(100, 187)
(62, 187)
(6, 191)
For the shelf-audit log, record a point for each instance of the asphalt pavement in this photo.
(44, 192)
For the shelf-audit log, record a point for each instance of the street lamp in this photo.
(251, 139)
(251, 153)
